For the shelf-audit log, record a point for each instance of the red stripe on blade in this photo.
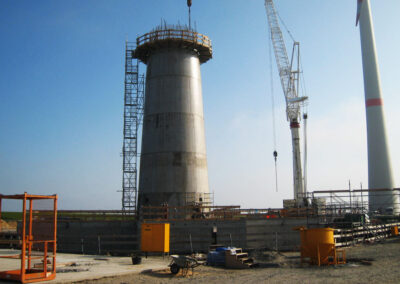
(374, 102)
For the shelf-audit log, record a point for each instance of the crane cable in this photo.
(189, 4)
(286, 28)
(275, 153)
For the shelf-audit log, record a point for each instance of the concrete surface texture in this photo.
(74, 267)
(376, 263)
(120, 238)
(251, 234)
(173, 165)
(97, 237)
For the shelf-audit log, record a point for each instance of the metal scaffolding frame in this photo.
(339, 202)
(34, 259)
(133, 117)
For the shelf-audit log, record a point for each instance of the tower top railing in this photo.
(173, 36)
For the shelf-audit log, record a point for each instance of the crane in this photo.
(289, 72)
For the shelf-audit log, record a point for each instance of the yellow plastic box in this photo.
(155, 237)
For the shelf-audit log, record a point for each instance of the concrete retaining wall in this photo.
(97, 237)
(121, 237)
(200, 232)
(275, 234)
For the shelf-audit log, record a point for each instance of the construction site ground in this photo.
(367, 263)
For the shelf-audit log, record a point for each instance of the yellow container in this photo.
(155, 237)
(317, 243)
(319, 235)
(394, 230)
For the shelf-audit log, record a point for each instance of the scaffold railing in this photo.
(351, 201)
(174, 34)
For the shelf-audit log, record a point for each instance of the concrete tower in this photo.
(379, 164)
(173, 164)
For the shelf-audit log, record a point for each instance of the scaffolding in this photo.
(328, 207)
(336, 203)
(133, 116)
(199, 198)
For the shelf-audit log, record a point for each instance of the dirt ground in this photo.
(372, 263)
(8, 226)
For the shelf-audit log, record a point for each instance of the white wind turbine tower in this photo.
(379, 164)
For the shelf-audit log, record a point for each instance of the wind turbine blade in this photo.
(359, 7)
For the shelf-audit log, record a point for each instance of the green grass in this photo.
(16, 216)
(11, 216)
(93, 216)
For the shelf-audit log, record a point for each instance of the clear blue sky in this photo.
(61, 95)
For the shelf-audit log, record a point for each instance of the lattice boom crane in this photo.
(289, 71)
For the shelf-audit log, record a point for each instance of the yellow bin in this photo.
(155, 237)
(317, 243)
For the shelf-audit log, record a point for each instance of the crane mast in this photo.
(289, 71)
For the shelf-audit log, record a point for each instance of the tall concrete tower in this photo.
(379, 164)
(173, 164)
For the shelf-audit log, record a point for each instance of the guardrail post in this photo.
(99, 244)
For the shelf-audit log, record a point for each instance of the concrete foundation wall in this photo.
(121, 237)
(102, 237)
(275, 234)
(249, 234)
(200, 232)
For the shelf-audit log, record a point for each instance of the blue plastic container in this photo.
(216, 258)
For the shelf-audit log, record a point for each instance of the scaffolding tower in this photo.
(133, 116)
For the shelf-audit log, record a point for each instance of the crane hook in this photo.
(189, 4)
(276, 171)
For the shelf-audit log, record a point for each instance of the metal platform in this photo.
(173, 37)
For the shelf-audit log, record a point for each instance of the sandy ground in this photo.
(375, 263)
(8, 226)
(72, 268)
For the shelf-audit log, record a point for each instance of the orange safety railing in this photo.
(36, 242)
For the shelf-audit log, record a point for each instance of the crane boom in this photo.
(286, 74)
(289, 80)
